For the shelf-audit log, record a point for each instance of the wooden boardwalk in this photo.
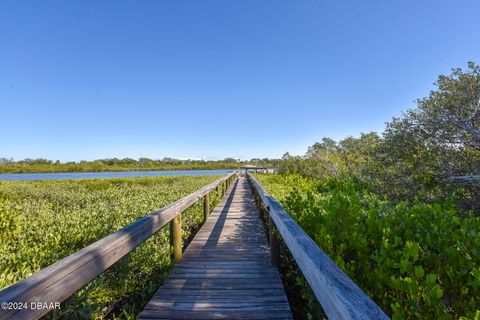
(226, 270)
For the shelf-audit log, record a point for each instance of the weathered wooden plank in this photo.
(220, 284)
(231, 270)
(220, 314)
(238, 294)
(228, 301)
(339, 296)
(158, 304)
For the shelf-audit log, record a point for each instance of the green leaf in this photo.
(412, 249)
(431, 279)
(438, 292)
(419, 272)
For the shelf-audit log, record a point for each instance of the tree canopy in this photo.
(431, 151)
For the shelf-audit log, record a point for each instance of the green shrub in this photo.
(415, 261)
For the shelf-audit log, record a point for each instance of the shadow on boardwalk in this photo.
(225, 272)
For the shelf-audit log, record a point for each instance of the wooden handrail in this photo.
(62, 279)
(339, 296)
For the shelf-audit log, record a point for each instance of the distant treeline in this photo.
(125, 164)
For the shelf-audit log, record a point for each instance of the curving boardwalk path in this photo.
(226, 270)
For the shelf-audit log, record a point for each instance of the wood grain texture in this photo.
(339, 296)
(60, 280)
(206, 207)
(226, 270)
(176, 242)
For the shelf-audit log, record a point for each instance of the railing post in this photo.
(274, 241)
(176, 238)
(257, 197)
(206, 207)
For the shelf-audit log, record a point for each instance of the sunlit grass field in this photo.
(43, 221)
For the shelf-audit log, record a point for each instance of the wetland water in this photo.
(107, 174)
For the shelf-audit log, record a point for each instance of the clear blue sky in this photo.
(211, 79)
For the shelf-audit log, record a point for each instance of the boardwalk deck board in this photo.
(225, 271)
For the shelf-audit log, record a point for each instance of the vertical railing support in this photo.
(176, 238)
(274, 242)
(206, 207)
